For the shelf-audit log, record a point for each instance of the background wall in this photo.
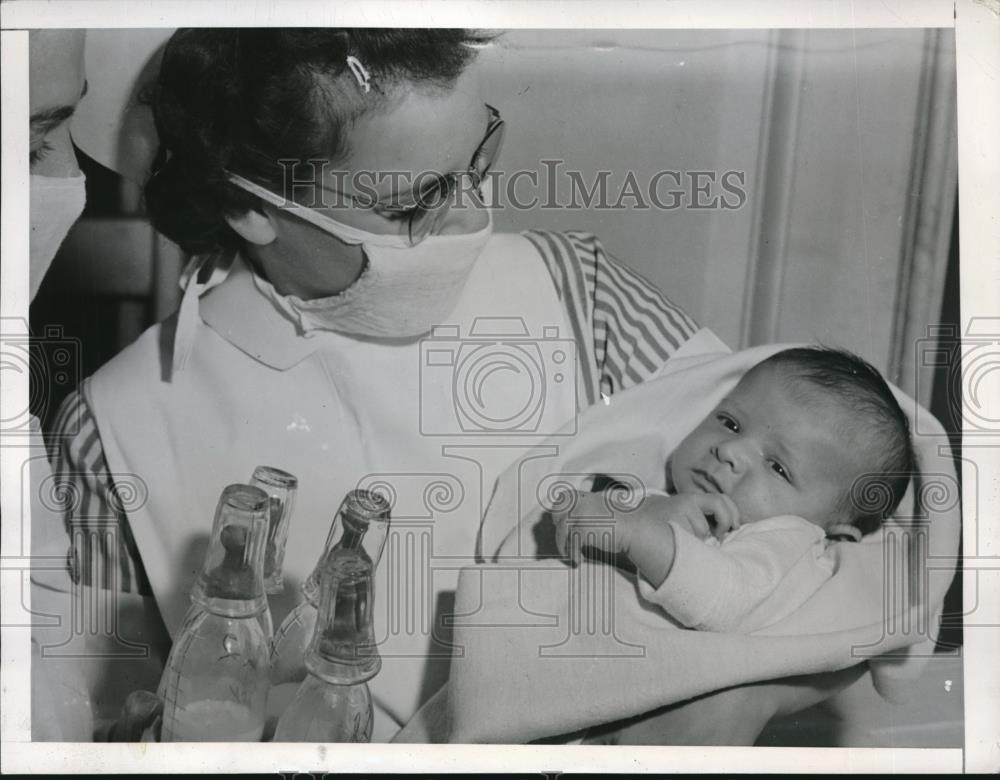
(828, 127)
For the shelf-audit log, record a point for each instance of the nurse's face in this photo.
(419, 129)
(55, 85)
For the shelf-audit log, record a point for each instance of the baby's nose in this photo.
(732, 454)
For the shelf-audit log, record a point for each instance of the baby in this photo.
(788, 461)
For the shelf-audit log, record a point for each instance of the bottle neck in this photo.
(349, 532)
(343, 649)
(331, 673)
(230, 608)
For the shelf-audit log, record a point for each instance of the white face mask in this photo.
(55, 204)
(403, 291)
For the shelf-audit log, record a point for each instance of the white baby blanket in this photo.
(542, 649)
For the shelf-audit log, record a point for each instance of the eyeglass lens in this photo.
(434, 202)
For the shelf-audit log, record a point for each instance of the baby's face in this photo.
(771, 452)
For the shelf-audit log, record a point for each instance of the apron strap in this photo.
(201, 274)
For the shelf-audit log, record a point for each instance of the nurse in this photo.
(60, 705)
(329, 185)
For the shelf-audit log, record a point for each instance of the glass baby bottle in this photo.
(361, 524)
(333, 703)
(280, 487)
(215, 684)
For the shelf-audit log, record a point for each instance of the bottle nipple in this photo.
(343, 649)
(233, 578)
(361, 525)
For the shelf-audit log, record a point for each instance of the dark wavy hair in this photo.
(244, 99)
(880, 423)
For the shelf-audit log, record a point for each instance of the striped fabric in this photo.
(624, 328)
(102, 552)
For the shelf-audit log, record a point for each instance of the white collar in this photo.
(221, 292)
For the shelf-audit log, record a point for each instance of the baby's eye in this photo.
(778, 469)
(728, 422)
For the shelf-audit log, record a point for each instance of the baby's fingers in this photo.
(727, 517)
(697, 523)
(723, 511)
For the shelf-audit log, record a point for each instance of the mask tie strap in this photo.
(201, 274)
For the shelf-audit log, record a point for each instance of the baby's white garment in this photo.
(758, 574)
(523, 674)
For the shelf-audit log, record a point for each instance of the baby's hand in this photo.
(703, 514)
(643, 533)
(594, 521)
(591, 520)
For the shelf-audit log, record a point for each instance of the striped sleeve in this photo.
(103, 552)
(625, 328)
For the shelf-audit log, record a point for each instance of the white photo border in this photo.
(977, 25)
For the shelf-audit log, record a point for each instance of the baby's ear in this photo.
(844, 529)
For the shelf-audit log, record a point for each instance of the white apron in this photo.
(340, 413)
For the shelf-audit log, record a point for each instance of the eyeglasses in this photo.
(434, 201)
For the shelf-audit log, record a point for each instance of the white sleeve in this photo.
(715, 588)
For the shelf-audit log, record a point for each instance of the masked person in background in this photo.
(60, 704)
(58, 186)
(329, 185)
(70, 689)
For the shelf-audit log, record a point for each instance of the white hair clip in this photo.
(360, 74)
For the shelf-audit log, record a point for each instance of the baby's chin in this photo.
(748, 518)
